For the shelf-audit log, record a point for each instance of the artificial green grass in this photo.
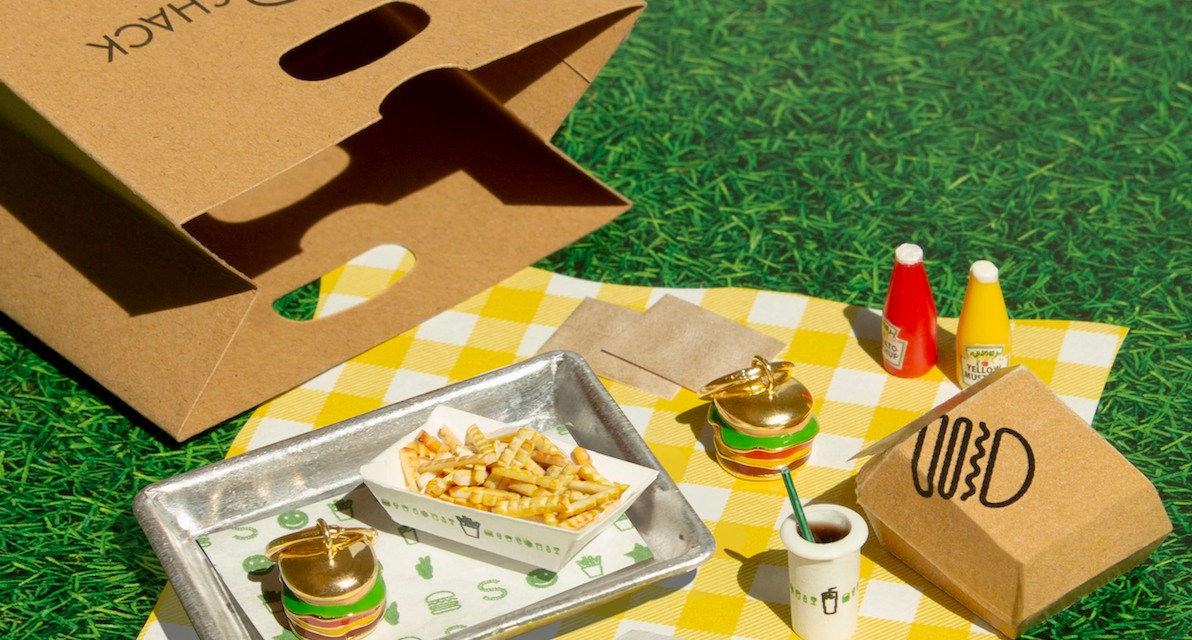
(787, 146)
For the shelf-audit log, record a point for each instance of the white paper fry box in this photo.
(527, 541)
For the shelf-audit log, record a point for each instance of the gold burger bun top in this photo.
(762, 399)
(327, 564)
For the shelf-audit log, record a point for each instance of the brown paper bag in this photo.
(169, 170)
(1009, 501)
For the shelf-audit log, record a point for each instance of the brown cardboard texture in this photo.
(1010, 502)
(170, 169)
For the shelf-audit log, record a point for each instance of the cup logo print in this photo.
(829, 599)
(950, 455)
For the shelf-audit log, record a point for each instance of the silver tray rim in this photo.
(166, 510)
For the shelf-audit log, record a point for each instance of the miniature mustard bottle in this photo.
(909, 316)
(983, 333)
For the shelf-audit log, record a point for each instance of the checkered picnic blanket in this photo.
(741, 592)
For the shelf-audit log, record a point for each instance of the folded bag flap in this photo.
(471, 191)
(143, 89)
(134, 305)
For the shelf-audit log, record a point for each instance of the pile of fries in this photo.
(523, 475)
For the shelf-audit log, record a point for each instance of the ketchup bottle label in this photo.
(980, 360)
(893, 346)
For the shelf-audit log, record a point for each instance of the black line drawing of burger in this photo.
(950, 456)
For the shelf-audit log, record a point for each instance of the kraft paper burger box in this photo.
(1009, 502)
(169, 170)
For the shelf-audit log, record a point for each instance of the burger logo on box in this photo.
(956, 456)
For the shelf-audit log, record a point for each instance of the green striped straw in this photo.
(800, 517)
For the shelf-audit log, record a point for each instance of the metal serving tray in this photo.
(542, 392)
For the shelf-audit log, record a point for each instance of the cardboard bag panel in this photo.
(172, 169)
(1009, 502)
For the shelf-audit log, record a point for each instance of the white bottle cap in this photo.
(984, 271)
(908, 254)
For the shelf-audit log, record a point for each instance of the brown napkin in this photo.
(688, 344)
(589, 327)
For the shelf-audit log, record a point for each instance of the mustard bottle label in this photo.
(980, 360)
(893, 346)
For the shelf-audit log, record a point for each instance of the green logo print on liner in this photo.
(492, 591)
(203, 541)
(441, 602)
(245, 533)
(342, 509)
(257, 564)
(424, 568)
(391, 615)
(541, 578)
(293, 520)
(593, 566)
(640, 553)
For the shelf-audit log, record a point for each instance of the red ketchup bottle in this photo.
(909, 316)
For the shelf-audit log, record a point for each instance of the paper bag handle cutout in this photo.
(355, 43)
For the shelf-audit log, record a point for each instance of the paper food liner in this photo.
(435, 586)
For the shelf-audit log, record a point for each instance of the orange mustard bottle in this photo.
(983, 333)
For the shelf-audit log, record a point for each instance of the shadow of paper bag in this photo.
(167, 176)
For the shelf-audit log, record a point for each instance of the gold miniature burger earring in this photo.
(761, 419)
(332, 587)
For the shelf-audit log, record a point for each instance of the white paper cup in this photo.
(824, 577)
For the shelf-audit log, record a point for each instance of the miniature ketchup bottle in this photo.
(983, 334)
(909, 316)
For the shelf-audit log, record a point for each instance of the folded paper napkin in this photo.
(741, 592)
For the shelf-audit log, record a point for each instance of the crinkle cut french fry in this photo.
(544, 444)
(461, 477)
(581, 456)
(548, 460)
(516, 475)
(489, 497)
(449, 438)
(408, 458)
(477, 440)
(580, 520)
(525, 507)
(588, 472)
(589, 487)
(515, 446)
(461, 461)
(555, 484)
(436, 486)
(525, 488)
(429, 441)
(519, 474)
(593, 500)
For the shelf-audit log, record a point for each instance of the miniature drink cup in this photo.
(824, 576)
(761, 420)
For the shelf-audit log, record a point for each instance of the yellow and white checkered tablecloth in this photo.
(741, 591)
